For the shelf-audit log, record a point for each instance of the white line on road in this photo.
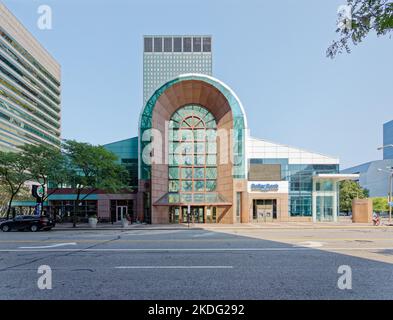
(51, 246)
(174, 267)
(192, 249)
(311, 244)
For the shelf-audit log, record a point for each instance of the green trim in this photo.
(238, 124)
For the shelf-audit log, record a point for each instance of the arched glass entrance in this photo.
(192, 158)
(192, 151)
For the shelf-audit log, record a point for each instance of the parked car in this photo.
(32, 223)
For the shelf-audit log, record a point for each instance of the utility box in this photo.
(362, 211)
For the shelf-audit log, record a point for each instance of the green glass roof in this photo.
(211, 198)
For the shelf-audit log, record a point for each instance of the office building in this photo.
(30, 89)
(166, 57)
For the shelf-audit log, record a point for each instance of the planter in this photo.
(124, 223)
(93, 222)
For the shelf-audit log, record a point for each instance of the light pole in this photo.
(390, 189)
(390, 181)
(385, 146)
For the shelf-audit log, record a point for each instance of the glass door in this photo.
(324, 208)
(121, 212)
(198, 214)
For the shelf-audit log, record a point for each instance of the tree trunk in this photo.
(9, 206)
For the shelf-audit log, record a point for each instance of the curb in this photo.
(121, 229)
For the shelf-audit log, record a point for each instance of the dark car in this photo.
(32, 223)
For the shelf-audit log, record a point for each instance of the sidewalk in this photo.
(342, 224)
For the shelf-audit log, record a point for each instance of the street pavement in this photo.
(199, 263)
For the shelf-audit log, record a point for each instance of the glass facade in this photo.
(238, 140)
(127, 153)
(30, 101)
(167, 57)
(300, 178)
(192, 150)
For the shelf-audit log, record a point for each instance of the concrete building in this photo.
(30, 89)
(166, 57)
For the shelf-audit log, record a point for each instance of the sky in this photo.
(271, 53)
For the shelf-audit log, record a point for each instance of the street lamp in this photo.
(385, 146)
(390, 189)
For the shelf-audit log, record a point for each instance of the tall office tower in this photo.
(388, 140)
(166, 57)
(30, 101)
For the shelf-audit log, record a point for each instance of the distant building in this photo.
(166, 57)
(388, 140)
(30, 89)
(375, 181)
(373, 175)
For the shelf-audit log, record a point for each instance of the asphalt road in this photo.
(198, 264)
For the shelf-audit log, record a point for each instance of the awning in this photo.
(193, 199)
(26, 203)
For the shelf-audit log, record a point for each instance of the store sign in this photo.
(37, 191)
(268, 186)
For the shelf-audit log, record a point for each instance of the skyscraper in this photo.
(166, 57)
(30, 102)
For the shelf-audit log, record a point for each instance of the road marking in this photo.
(174, 267)
(245, 238)
(193, 249)
(51, 246)
(206, 234)
(310, 244)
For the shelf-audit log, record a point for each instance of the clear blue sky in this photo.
(272, 53)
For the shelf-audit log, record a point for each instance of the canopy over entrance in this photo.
(193, 199)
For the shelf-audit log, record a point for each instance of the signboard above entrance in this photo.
(268, 186)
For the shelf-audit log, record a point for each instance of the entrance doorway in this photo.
(197, 214)
(265, 210)
(324, 208)
(121, 212)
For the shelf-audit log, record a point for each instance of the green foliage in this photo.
(13, 175)
(46, 164)
(367, 15)
(82, 166)
(93, 167)
(350, 190)
(380, 204)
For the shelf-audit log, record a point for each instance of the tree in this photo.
(350, 190)
(380, 204)
(92, 168)
(13, 175)
(365, 16)
(46, 165)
